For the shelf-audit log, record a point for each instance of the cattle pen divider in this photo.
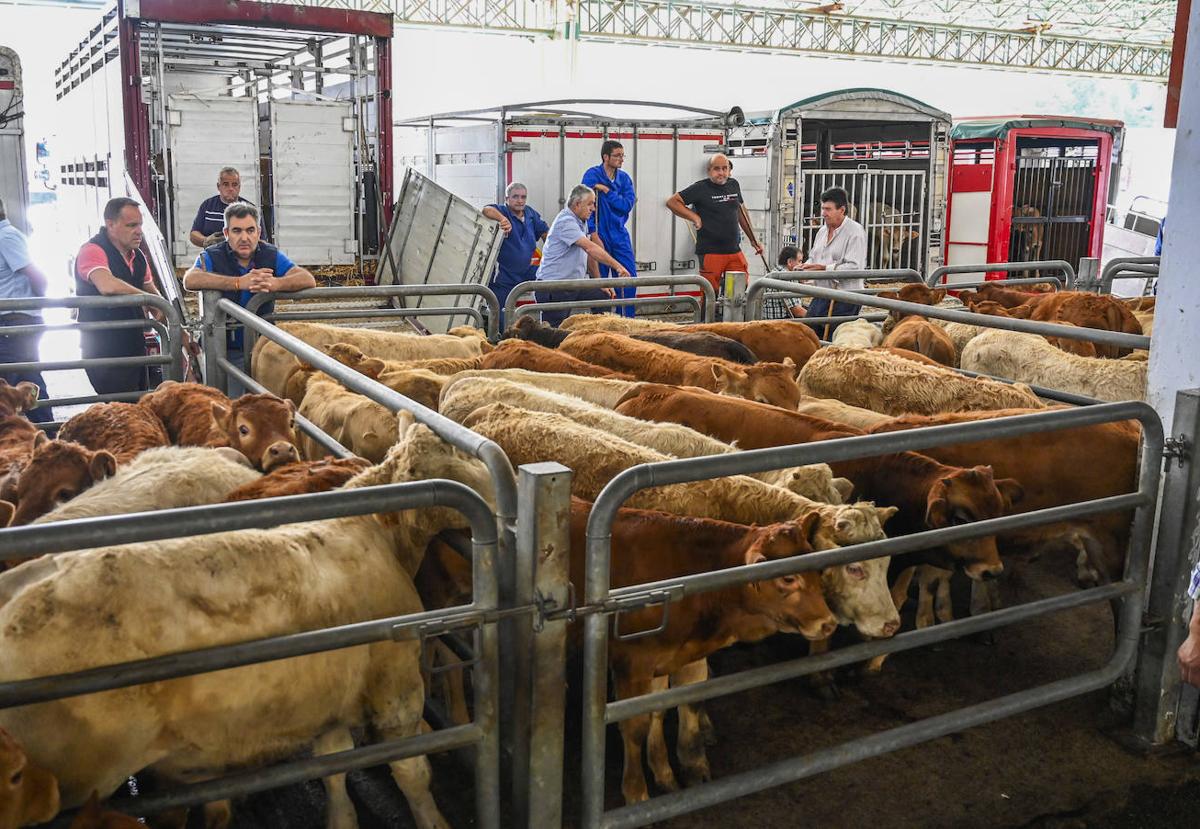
(1060, 265)
(481, 614)
(601, 601)
(703, 309)
(1127, 267)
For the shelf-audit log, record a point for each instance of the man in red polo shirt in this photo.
(112, 263)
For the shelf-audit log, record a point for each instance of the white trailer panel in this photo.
(312, 175)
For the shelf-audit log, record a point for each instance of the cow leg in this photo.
(633, 733)
(899, 599)
(932, 582)
(1085, 573)
(339, 811)
(943, 607)
(822, 681)
(690, 745)
(656, 744)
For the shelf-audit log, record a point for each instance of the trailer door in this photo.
(205, 135)
(969, 205)
(312, 181)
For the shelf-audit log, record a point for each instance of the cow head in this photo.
(858, 595)
(988, 306)
(964, 496)
(349, 355)
(794, 603)
(57, 472)
(28, 794)
(771, 383)
(528, 328)
(19, 398)
(917, 292)
(260, 426)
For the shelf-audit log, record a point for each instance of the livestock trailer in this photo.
(1030, 187)
(548, 145)
(14, 185)
(297, 99)
(887, 150)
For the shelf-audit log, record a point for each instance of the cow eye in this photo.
(243, 430)
(789, 581)
(960, 517)
(856, 570)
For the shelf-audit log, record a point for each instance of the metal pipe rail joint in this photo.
(1126, 267)
(481, 615)
(598, 712)
(708, 306)
(1061, 265)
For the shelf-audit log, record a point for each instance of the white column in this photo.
(1174, 360)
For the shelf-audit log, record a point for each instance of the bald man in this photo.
(714, 207)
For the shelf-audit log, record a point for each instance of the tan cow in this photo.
(857, 334)
(921, 336)
(602, 391)
(28, 794)
(533, 357)
(815, 482)
(838, 412)
(769, 382)
(165, 597)
(894, 386)
(353, 420)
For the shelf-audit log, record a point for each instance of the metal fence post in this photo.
(733, 298)
(214, 332)
(1159, 702)
(1087, 278)
(543, 564)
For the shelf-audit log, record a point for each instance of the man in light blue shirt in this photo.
(566, 252)
(20, 279)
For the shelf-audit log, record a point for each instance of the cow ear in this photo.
(103, 465)
(1011, 491)
(404, 422)
(810, 525)
(291, 404)
(220, 413)
(937, 513)
(721, 375)
(371, 367)
(40, 440)
(884, 513)
(938, 295)
(754, 555)
(844, 487)
(6, 513)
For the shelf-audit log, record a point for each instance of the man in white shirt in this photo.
(840, 245)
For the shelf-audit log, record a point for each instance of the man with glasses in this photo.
(523, 227)
(615, 199)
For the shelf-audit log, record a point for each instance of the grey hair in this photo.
(516, 185)
(578, 193)
(228, 171)
(240, 210)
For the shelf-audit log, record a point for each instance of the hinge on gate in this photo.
(1177, 448)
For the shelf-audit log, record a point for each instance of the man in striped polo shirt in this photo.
(210, 218)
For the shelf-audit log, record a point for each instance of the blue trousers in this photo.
(556, 316)
(820, 308)
(624, 255)
(23, 348)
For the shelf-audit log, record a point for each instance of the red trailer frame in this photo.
(984, 159)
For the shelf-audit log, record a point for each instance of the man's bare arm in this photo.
(675, 205)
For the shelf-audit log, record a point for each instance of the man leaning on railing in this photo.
(1189, 651)
(241, 266)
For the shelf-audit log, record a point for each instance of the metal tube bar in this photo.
(1040, 391)
(1070, 332)
(872, 274)
(91, 362)
(302, 423)
(97, 325)
(370, 313)
(769, 674)
(706, 289)
(1121, 263)
(299, 771)
(642, 302)
(122, 396)
(1066, 267)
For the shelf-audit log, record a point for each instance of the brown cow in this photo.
(1055, 469)
(92, 816)
(917, 292)
(649, 546)
(260, 426)
(919, 335)
(17, 399)
(770, 340)
(1008, 297)
(300, 478)
(534, 357)
(930, 495)
(354, 357)
(769, 382)
(1083, 348)
(1089, 311)
(28, 794)
(125, 429)
(57, 471)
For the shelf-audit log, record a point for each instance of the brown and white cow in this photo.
(300, 478)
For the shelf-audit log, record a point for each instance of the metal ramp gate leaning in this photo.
(890, 205)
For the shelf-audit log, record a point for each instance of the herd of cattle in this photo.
(600, 395)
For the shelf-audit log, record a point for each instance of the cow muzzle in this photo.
(983, 571)
(279, 453)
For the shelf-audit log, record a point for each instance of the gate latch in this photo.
(1177, 448)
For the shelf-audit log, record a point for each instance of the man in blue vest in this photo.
(241, 266)
(614, 202)
(522, 227)
(113, 263)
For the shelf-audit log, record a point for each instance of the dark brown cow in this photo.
(700, 343)
(57, 471)
(125, 429)
(1065, 466)
(929, 494)
(649, 546)
(260, 426)
(534, 357)
(300, 478)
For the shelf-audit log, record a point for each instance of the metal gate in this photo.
(1053, 202)
(890, 205)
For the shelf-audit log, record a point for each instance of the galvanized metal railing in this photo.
(601, 601)
(1060, 265)
(754, 308)
(703, 309)
(1134, 266)
(481, 615)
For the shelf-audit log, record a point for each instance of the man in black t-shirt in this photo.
(210, 218)
(714, 207)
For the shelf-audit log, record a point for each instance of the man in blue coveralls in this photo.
(241, 266)
(523, 227)
(614, 202)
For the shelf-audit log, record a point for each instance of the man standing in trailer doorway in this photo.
(614, 202)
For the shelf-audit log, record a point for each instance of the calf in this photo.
(28, 794)
(354, 357)
(125, 429)
(857, 334)
(260, 426)
(769, 382)
(300, 478)
(888, 231)
(649, 546)
(702, 344)
(417, 384)
(921, 336)
(1089, 310)
(353, 420)
(603, 391)
(533, 357)
(56, 472)
(1008, 297)
(929, 495)
(1029, 234)
(17, 399)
